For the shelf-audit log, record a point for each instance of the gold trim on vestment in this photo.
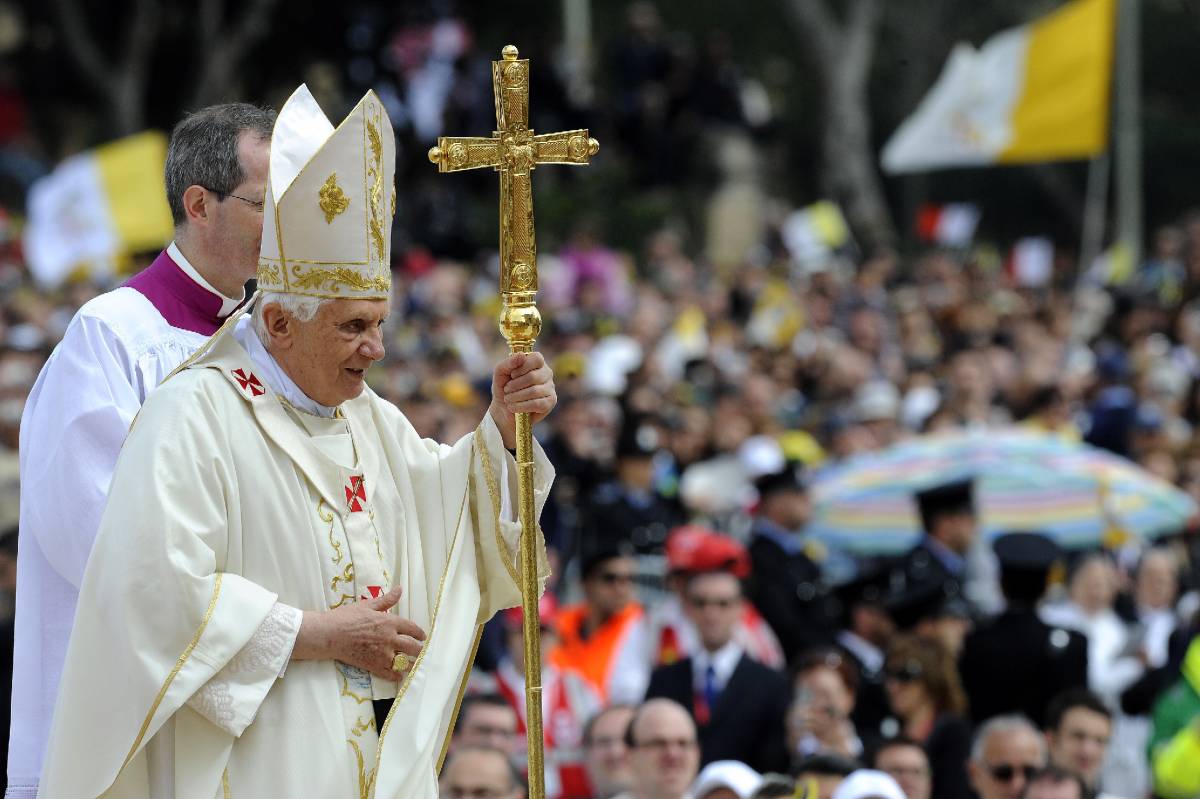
(318, 263)
(462, 691)
(225, 782)
(482, 573)
(494, 493)
(408, 678)
(162, 692)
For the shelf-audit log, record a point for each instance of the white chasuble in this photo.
(228, 503)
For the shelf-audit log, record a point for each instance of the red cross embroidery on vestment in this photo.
(375, 592)
(356, 494)
(250, 384)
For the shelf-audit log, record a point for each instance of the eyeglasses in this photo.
(256, 204)
(612, 578)
(663, 744)
(1006, 771)
(723, 603)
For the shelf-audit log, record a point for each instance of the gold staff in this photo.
(513, 151)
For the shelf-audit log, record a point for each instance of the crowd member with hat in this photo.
(939, 561)
(817, 777)
(939, 615)
(737, 703)
(869, 784)
(785, 582)
(865, 630)
(1015, 663)
(629, 508)
(692, 549)
(726, 779)
(604, 637)
(568, 699)
(928, 700)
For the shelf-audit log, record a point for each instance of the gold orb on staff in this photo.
(514, 150)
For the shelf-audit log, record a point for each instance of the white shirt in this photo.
(723, 663)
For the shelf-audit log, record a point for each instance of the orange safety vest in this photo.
(594, 656)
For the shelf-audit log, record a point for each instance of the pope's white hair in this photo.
(300, 307)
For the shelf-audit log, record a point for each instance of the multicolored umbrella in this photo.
(1080, 495)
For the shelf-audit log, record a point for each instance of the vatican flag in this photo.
(1034, 93)
(97, 207)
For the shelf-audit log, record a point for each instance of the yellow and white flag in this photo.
(97, 207)
(1038, 92)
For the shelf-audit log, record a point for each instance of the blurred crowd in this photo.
(696, 641)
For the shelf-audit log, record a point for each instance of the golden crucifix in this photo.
(513, 151)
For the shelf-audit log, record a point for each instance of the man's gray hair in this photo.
(204, 150)
(301, 307)
(1013, 722)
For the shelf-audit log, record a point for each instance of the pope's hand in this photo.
(361, 634)
(521, 383)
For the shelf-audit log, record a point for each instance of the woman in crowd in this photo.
(823, 698)
(927, 698)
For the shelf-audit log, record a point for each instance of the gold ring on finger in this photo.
(401, 662)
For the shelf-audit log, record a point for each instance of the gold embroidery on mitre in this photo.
(333, 200)
(268, 273)
(337, 277)
(375, 172)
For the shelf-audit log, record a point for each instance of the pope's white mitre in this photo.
(327, 223)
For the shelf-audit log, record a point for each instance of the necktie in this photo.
(710, 688)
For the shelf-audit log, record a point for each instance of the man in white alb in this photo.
(281, 552)
(118, 347)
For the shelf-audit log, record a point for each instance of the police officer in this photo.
(628, 509)
(1015, 663)
(785, 577)
(938, 563)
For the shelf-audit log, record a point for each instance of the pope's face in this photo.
(328, 356)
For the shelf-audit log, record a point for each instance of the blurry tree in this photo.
(121, 75)
(841, 52)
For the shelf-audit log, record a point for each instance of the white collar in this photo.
(228, 304)
(723, 662)
(273, 374)
(870, 655)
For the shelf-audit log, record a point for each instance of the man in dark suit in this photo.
(738, 704)
(785, 578)
(1015, 663)
(938, 563)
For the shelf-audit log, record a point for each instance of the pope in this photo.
(288, 581)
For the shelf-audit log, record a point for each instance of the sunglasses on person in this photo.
(613, 578)
(702, 602)
(905, 672)
(1006, 771)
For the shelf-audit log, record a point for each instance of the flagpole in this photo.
(1095, 213)
(1129, 129)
